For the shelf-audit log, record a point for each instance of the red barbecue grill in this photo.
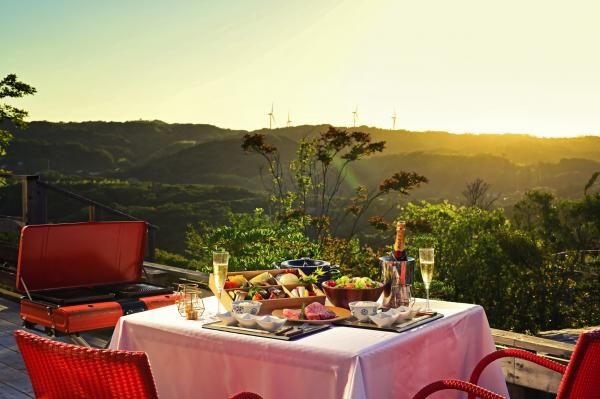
(84, 276)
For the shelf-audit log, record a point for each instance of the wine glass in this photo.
(426, 261)
(220, 264)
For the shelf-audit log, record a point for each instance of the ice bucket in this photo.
(397, 277)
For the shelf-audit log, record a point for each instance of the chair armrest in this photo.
(520, 353)
(246, 395)
(459, 385)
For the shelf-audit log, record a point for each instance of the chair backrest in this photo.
(582, 378)
(62, 371)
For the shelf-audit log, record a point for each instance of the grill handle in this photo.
(26, 290)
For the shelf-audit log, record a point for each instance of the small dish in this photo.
(227, 318)
(252, 307)
(415, 311)
(383, 319)
(402, 313)
(363, 309)
(246, 319)
(270, 323)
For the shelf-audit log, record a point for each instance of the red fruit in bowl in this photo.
(330, 283)
(349, 285)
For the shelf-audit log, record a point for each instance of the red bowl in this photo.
(341, 297)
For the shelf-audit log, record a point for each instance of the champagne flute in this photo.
(220, 264)
(426, 261)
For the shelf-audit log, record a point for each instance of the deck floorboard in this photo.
(14, 381)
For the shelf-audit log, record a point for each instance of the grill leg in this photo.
(78, 340)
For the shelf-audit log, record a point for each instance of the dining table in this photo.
(189, 361)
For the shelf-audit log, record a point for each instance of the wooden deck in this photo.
(14, 381)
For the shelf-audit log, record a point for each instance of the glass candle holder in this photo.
(189, 303)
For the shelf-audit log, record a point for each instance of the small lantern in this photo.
(189, 303)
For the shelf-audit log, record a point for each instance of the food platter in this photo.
(340, 313)
(285, 334)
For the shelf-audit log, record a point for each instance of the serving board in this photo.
(268, 305)
(340, 314)
(294, 333)
(397, 327)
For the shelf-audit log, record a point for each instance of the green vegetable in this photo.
(358, 282)
(313, 277)
(253, 291)
(342, 281)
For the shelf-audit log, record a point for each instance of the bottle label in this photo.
(399, 244)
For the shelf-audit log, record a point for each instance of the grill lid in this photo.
(80, 254)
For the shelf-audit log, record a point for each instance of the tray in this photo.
(400, 327)
(295, 332)
(268, 305)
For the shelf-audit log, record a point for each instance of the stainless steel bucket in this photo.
(397, 278)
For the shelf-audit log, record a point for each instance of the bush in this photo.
(255, 241)
(481, 257)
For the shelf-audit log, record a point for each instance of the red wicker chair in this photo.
(246, 395)
(62, 371)
(581, 377)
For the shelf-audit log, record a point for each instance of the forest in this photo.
(515, 219)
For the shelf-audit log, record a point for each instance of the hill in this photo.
(179, 174)
(109, 147)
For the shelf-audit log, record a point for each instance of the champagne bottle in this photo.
(399, 244)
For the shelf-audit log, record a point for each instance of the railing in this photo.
(34, 206)
(523, 376)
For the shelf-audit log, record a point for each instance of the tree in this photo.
(312, 188)
(484, 258)
(254, 241)
(591, 182)
(11, 87)
(477, 194)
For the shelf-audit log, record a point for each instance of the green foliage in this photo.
(170, 206)
(254, 241)
(11, 87)
(353, 258)
(560, 224)
(511, 269)
(171, 259)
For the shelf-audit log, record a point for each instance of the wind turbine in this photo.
(289, 122)
(394, 120)
(355, 115)
(271, 118)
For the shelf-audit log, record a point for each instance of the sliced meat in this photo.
(316, 311)
(312, 315)
(293, 314)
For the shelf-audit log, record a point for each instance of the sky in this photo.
(479, 66)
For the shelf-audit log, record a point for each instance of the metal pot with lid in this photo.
(308, 266)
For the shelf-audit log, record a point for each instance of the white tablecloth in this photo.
(191, 362)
